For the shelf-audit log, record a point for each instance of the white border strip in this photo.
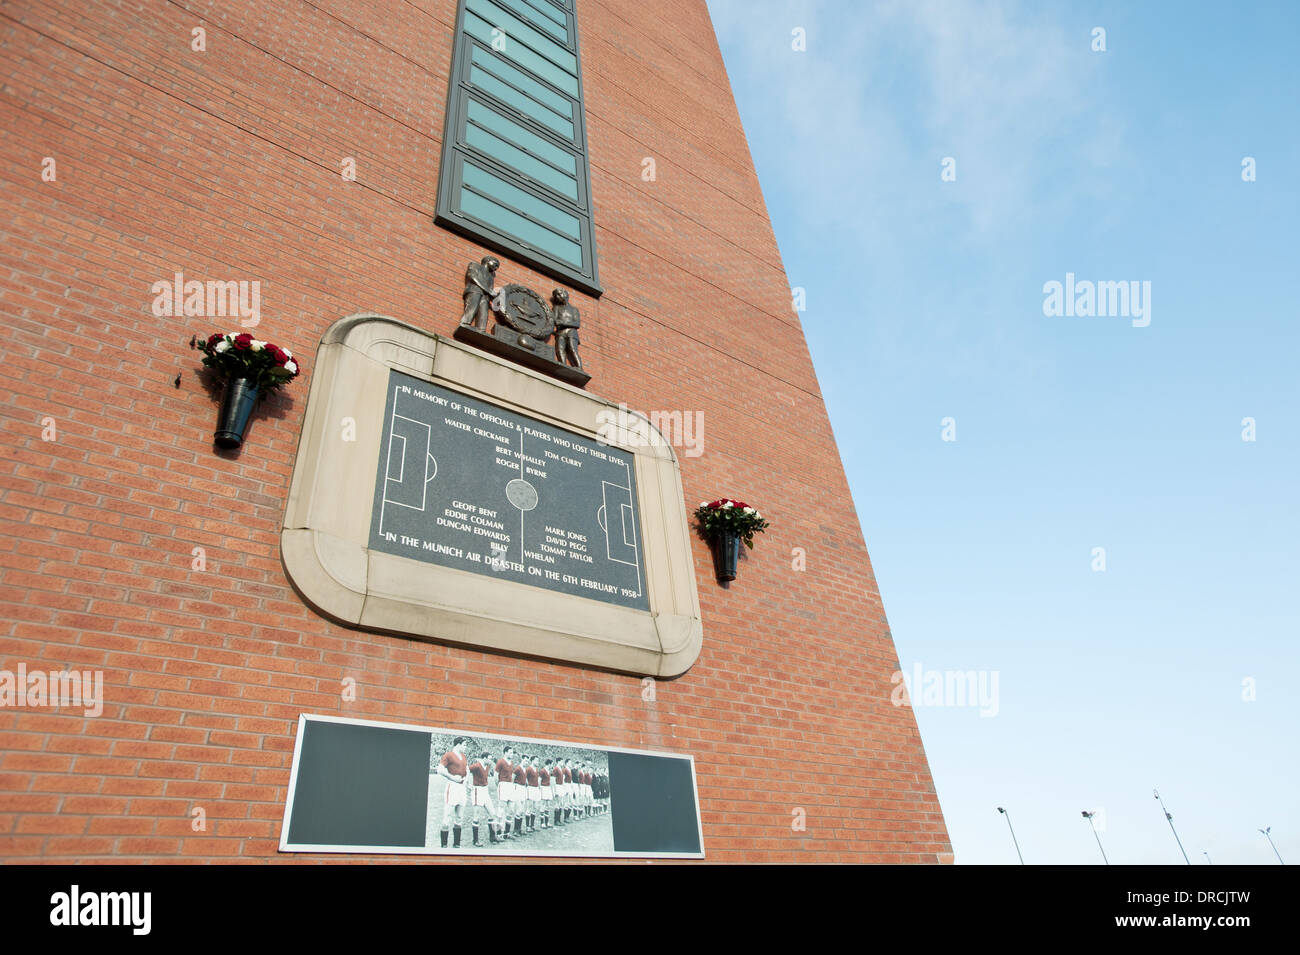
(286, 846)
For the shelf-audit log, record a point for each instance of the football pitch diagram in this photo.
(411, 466)
(469, 485)
(617, 518)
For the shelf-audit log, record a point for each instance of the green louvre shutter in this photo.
(514, 151)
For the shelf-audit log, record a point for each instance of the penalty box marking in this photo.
(400, 479)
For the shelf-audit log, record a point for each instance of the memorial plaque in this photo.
(465, 484)
(494, 519)
(371, 787)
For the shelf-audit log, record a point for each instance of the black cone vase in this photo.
(726, 552)
(236, 409)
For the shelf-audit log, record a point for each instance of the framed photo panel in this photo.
(359, 786)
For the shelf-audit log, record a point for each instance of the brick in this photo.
(206, 672)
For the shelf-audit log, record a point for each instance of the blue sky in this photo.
(925, 301)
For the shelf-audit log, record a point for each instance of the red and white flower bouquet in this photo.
(266, 366)
(250, 368)
(725, 516)
(725, 523)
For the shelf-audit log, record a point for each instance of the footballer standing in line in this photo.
(544, 774)
(534, 793)
(557, 784)
(480, 801)
(452, 767)
(521, 794)
(505, 792)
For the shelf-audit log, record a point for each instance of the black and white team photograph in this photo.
(489, 795)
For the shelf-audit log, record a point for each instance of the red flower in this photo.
(214, 339)
(243, 340)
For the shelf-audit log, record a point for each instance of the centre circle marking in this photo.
(521, 494)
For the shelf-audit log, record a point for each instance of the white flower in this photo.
(758, 515)
(291, 367)
(287, 353)
(256, 345)
(704, 503)
(727, 506)
(750, 510)
(223, 345)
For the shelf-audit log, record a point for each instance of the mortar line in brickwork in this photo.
(313, 76)
(703, 226)
(414, 130)
(435, 75)
(613, 300)
(408, 206)
(448, 27)
(707, 145)
(214, 116)
(666, 119)
(797, 326)
(812, 394)
(759, 212)
(180, 99)
(661, 41)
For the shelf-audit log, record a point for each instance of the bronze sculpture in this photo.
(567, 321)
(480, 278)
(524, 323)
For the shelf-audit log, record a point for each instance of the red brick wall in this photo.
(225, 164)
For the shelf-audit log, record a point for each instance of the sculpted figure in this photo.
(567, 321)
(480, 278)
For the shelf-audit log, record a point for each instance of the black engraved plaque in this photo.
(463, 483)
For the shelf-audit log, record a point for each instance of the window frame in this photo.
(455, 150)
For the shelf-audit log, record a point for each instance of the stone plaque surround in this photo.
(328, 517)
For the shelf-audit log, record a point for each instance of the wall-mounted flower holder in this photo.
(250, 370)
(726, 524)
(237, 404)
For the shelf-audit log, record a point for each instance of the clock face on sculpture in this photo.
(526, 312)
(515, 322)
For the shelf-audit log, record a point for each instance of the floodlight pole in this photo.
(1270, 842)
(1093, 826)
(1170, 819)
(1013, 833)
